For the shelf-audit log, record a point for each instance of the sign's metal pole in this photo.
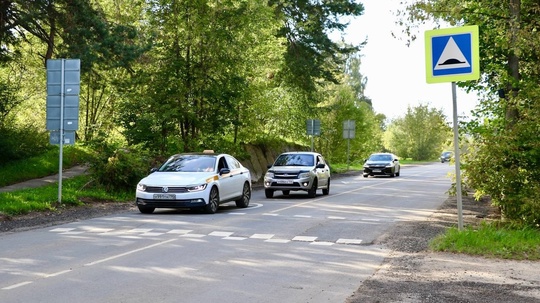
(456, 158)
(61, 156)
(313, 134)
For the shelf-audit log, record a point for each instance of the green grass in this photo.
(41, 166)
(74, 191)
(338, 168)
(491, 240)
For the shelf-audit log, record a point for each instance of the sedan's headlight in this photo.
(200, 187)
(389, 165)
(141, 187)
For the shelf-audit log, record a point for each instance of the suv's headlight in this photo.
(303, 175)
(269, 174)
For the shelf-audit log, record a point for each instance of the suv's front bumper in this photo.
(288, 184)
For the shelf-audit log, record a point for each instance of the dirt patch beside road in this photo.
(412, 273)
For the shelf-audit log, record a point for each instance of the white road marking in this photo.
(336, 218)
(322, 243)
(277, 241)
(235, 238)
(61, 230)
(179, 231)
(193, 235)
(16, 285)
(129, 252)
(221, 233)
(349, 241)
(261, 236)
(304, 239)
(58, 273)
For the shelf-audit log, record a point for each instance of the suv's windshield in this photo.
(295, 160)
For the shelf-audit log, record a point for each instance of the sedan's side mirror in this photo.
(224, 171)
(153, 170)
(320, 165)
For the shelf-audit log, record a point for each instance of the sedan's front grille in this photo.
(377, 166)
(171, 190)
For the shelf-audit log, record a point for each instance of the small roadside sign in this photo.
(452, 54)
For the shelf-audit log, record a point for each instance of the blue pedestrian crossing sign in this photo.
(452, 54)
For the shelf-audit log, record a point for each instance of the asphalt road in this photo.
(288, 249)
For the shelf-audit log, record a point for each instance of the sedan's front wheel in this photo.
(213, 201)
(243, 202)
(146, 209)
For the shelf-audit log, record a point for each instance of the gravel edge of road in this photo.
(413, 273)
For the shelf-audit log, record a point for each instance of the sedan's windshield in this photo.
(295, 160)
(189, 163)
(380, 158)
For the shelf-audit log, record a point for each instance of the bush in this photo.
(21, 143)
(119, 168)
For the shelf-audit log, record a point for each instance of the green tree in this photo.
(342, 105)
(419, 135)
(311, 55)
(502, 127)
(196, 90)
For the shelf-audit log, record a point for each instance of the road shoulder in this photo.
(413, 273)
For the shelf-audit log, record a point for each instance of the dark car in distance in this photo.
(382, 164)
(446, 156)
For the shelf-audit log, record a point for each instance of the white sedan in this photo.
(195, 180)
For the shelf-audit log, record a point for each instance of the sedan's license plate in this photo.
(376, 170)
(285, 181)
(164, 196)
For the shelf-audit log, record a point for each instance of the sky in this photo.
(396, 73)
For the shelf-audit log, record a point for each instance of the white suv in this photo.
(306, 171)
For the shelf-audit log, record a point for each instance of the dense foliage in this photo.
(420, 134)
(165, 76)
(504, 154)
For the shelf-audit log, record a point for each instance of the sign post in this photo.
(63, 87)
(452, 54)
(349, 128)
(313, 128)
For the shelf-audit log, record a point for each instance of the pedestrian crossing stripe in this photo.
(452, 54)
(140, 233)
